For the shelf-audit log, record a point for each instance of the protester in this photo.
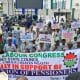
(56, 46)
(69, 45)
(63, 44)
(2, 43)
(24, 46)
(16, 35)
(9, 46)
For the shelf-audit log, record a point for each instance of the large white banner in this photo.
(40, 65)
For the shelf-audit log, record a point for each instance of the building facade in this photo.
(49, 7)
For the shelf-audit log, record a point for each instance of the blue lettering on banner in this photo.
(40, 72)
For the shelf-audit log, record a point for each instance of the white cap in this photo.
(9, 38)
(3, 76)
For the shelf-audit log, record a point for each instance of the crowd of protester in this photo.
(10, 38)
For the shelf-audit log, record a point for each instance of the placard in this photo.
(27, 37)
(69, 36)
(45, 38)
(55, 26)
(75, 25)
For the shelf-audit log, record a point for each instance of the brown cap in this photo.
(22, 78)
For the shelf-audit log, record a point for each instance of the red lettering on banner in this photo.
(15, 66)
(35, 67)
(31, 67)
(57, 66)
(24, 67)
(50, 67)
(5, 66)
(1, 66)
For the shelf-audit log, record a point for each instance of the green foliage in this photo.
(74, 76)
